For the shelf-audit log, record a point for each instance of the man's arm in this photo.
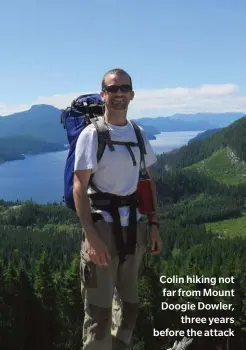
(153, 216)
(81, 199)
(94, 246)
(156, 242)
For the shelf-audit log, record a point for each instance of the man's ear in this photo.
(132, 95)
(102, 94)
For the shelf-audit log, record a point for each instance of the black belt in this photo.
(110, 202)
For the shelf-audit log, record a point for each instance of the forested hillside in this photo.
(17, 146)
(41, 305)
(234, 136)
(40, 289)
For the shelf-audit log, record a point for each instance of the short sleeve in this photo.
(150, 157)
(86, 150)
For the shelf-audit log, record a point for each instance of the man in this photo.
(101, 268)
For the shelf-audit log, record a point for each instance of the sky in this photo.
(184, 56)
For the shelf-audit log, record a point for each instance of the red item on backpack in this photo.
(145, 196)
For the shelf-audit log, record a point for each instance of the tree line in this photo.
(41, 306)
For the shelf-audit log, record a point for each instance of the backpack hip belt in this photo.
(111, 203)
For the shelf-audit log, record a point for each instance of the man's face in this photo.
(118, 100)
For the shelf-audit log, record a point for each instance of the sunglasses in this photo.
(115, 88)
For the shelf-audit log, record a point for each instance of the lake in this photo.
(40, 177)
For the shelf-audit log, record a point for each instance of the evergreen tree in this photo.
(46, 293)
(72, 306)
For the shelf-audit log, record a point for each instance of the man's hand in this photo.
(94, 246)
(156, 242)
(97, 250)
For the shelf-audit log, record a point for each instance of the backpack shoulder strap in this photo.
(139, 137)
(142, 147)
(103, 137)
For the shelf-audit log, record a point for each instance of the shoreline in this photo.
(24, 156)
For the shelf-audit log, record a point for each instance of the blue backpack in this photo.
(84, 110)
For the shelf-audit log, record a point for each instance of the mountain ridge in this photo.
(16, 147)
(221, 119)
(43, 121)
(204, 134)
(233, 136)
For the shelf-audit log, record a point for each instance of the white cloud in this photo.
(59, 101)
(216, 90)
(163, 102)
(206, 98)
(6, 109)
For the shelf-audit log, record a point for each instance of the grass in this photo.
(223, 166)
(229, 228)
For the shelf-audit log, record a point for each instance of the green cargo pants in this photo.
(110, 293)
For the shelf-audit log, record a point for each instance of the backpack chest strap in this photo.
(105, 139)
(128, 145)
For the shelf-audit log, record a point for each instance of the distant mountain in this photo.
(219, 119)
(192, 122)
(167, 124)
(41, 122)
(17, 146)
(204, 135)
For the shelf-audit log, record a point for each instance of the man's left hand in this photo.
(156, 242)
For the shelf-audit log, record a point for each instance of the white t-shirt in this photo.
(115, 172)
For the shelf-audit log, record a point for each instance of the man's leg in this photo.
(125, 304)
(97, 286)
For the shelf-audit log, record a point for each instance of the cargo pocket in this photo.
(88, 273)
(105, 232)
(142, 234)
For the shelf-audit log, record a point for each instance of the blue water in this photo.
(40, 177)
